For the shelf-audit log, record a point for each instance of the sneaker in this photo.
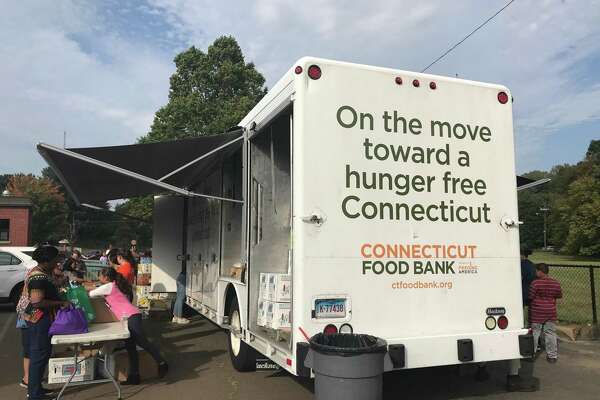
(183, 321)
(163, 368)
(552, 360)
(23, 384)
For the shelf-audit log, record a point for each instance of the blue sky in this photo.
(100, 69)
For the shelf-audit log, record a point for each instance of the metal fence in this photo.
(93, 269)
(581, 290)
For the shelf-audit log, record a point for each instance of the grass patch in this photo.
(549, 257)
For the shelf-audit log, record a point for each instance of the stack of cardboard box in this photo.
(142, 289)
(274, 301)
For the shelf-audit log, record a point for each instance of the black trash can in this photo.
(347, 366)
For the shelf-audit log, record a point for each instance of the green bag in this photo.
(80, 299)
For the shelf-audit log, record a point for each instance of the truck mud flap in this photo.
(397, 353)
(526, 345)
(465, 350)
(301, 353)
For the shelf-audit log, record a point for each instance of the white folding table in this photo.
(105, 333)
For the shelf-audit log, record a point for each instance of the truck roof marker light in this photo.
(314, 72)
(398, 80)
(330, 330)
(502, 322)
(490, 323)
(432, 85)
(298, 70)
(502, 97)
(416, 83)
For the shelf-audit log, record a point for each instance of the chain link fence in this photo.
(581, 292)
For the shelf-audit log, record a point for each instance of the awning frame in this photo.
(43, 147)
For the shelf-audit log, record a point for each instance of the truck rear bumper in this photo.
(432, 351)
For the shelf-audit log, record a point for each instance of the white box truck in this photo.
(384, 202)
(388, 197)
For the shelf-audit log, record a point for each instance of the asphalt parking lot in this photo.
(200, 369)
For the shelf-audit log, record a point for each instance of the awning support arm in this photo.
(534, 184)
(200, 158)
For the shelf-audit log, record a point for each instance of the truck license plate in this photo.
(330, 308)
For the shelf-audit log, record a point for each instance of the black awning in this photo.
(98, 174)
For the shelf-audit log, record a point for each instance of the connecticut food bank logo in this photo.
(418, 259)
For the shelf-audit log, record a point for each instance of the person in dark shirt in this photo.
(43, 302)
(527, 276)
(75, 266)
(543, 293)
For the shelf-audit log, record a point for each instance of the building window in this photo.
(4, 230)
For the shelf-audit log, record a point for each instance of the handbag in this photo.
(78, 296)
(69, 321)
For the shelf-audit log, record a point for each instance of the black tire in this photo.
(15, 294)
(243, 357)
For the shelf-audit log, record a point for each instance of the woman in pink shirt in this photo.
(117, 292)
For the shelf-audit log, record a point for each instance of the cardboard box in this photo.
(261, 318)
(278, 315)
(60, 369)
(263, 289)
(103, 313)
(143, 279)
(148, 367)
(145, 268)
(279, 288)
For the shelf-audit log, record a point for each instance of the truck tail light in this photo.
(502, 322)
(314, 72)
(330, 329)
(490, 323)
(502, 97)
(346, 328)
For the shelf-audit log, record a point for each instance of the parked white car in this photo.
(14, 263)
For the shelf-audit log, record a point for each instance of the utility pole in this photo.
(545, 210)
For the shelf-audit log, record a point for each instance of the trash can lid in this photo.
(347, 344)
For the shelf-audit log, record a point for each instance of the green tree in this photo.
(49, 210)
(209, 92)
(139, 224)
(4, 181)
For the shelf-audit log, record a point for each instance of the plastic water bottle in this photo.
(124, 321)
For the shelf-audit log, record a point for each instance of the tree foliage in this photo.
(209, 92)
(573, 196)
(49, 209)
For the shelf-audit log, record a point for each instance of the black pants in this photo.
(40, 350)
(134, 323)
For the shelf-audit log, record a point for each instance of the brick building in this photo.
(15, 220)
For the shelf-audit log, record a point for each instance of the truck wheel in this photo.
(15, 294)
(243, 357)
